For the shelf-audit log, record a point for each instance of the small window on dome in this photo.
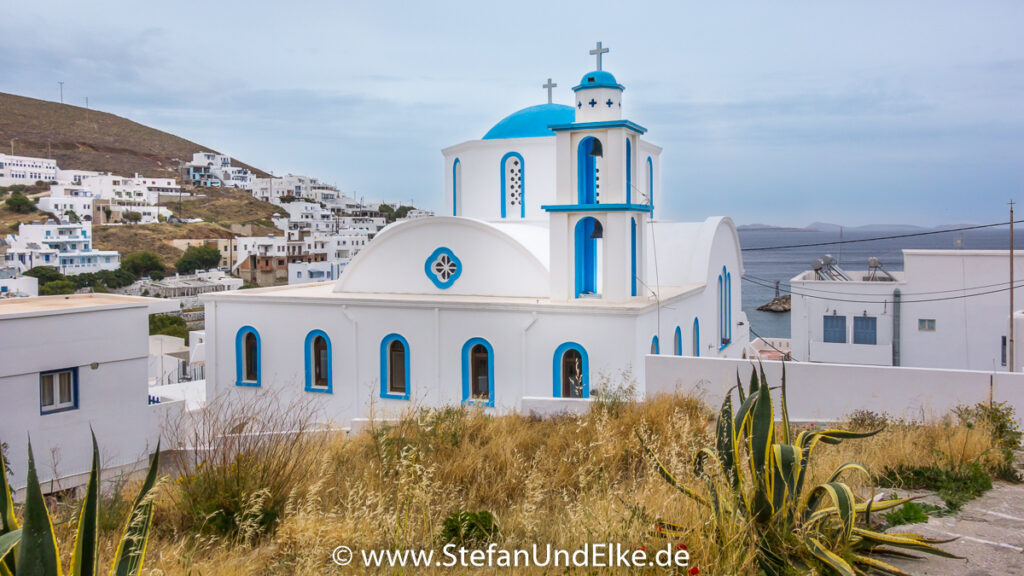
(590, 79)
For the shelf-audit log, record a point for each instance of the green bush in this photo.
(198, 258)
(142, 263)
(169, 325)
(955, 487)
(20, 204)
(913, 513)
(469, 528)
(58, 287)
(999, 418)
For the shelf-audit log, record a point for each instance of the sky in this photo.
(782, 113)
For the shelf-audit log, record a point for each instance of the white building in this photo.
(531, 296)
(64, 201)
(65, 246)
(14, 285)
(68, 363)
(74, 177)
(134, 192)
(946, 309)
(219, 166)
(26, 170)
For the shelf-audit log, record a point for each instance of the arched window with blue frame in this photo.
(724, 308)
(513, 185)
(696, 338)
(318, 360)
(588, 177)
(394, 367)
(456, 185)
(570, 372)
(587, 234)
(677, 344)
(247, 357)
(650, 184)
(632, 257)
(655, 345)
(629, 170)
(478, 372)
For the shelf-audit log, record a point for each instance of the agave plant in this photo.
(756, 486)
(31, 550)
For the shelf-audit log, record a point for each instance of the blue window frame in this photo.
(677, 344)
(58, 391)
(319, 360)
(478, 372)
(248, 357)
(655, 346)
(513, 185)
(456, 174)
(835, 329)
(632, 256)
(394, 367)
(586, 256)
(570, 372)
(865, 330)
(443, 267)
(724, 308)
(586, 163)
(629, 170)
(650, 184)
(696, 338)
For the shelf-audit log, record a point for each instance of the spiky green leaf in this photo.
(668, 475)
(8, 541)
(842, 499)
(787, 434)
(37, 552)
(828, 557)
(85, 558)
(131, 550)
(8, 522)
(903, 542)
(876, 564)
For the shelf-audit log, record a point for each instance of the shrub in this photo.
(999, 419)
(469, 528)
(58, 287)
(131, 216)
(956, 487)
(755, 497)
(168, 325)
(19, 203)
(198, 258)
(141, 263)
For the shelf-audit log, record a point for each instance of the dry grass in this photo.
(224, 206)
(564, 481)
(84, 139)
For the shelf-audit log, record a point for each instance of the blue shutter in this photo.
(865, 330)
(835, 329)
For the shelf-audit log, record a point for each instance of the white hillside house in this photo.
(946, 309)
(541, 284)
(65, 246)
(26, 170)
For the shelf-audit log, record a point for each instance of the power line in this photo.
(908, 235)
(887, 301)
(772, 346)
(880, 283)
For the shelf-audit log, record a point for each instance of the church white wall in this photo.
(480, 162)
(491, 262)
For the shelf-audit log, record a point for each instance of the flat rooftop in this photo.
(324, 292)
(46, 305)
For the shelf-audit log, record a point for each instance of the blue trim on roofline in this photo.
(522, 183)
(596, 208)
(598, 125)
(311, 366)
(385, 344)
(556, 369)
(467, 372)
(240, 357)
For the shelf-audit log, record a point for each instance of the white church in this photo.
(550, 278)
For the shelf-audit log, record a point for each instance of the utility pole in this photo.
(1011, 355)
(61, 91)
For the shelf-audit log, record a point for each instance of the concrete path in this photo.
(990, 532)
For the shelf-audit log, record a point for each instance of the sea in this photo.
(762, 268)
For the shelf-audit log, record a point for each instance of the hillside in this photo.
(83, 139)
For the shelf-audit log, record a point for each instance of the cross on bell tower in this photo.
(548, 87)
(598, 52)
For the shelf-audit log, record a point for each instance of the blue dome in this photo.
(532, 122)
(598, 79)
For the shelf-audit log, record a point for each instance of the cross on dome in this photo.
(598, 52)
(549, 86)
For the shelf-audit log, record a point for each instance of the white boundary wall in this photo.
(829, 392)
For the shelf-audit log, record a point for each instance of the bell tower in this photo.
(597, 223)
